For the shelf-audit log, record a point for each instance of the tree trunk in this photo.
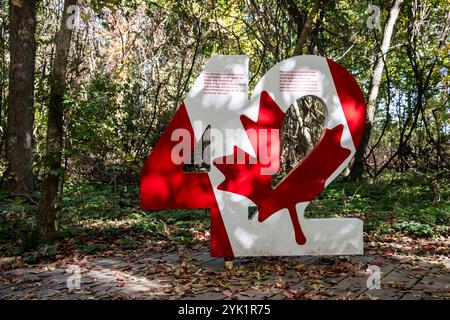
(48, 206)
(302, 34)
(306, 28)
(20, 115)
(358, 165)
(2, 79)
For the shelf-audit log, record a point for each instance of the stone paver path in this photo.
(198, 276)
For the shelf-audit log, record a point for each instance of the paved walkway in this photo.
(195, 275)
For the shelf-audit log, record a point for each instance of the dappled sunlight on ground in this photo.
(185, 274)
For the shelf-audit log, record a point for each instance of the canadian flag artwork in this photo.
(244, 154)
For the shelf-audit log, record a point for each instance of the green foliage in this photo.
(403, 204)
(91, 248)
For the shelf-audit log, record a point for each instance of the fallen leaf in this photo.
(289, 294)
(51, 267)
(227, 293)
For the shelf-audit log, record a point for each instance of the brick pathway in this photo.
(198, 276)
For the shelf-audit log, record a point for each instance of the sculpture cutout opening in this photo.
(302, 128)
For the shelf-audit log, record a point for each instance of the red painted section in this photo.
(270, 117)
(302, 184)
(352, 100)
(164, 185)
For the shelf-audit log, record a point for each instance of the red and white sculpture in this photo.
(245, 153)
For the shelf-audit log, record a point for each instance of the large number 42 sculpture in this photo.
(219, 99)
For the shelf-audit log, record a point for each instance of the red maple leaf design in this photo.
(302, 184)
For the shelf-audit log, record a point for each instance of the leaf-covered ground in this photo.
(125, 253)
